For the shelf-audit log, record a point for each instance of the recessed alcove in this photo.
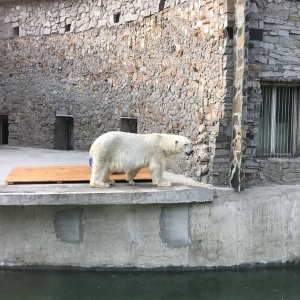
(3, 129)
(16, 31)
(117, 18)
(129, 124)
(68, 28)
(63, 132)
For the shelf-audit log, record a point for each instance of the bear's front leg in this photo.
(100, 185)
(164, 183)
(157, 174)
(108, 180)
(97, 178)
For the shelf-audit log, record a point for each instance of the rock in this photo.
(202, 128)
(130, 17)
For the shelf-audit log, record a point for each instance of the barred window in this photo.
(279, 122)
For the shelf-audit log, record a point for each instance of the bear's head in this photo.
(183, 145)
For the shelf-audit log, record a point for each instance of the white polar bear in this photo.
(129, 152)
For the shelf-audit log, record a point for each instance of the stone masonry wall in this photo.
(273, 59)
(170, 71)
(56, 17)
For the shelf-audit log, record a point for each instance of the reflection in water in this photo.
(264, 284)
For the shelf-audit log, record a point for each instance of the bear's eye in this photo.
(185, 144)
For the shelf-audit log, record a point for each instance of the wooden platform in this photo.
(65, 174)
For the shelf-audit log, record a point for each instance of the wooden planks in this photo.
(63, 174)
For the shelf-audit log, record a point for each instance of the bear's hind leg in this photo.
(97, 177)
(108, 180)
(130, 176)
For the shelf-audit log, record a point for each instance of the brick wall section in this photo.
(171, 70)
(274, 59)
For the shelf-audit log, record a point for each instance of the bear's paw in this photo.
(164, 183)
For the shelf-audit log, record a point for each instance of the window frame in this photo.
(293, 124)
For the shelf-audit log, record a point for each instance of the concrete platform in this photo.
(187, 225)
(183, 190)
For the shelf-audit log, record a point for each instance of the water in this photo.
(254, 284)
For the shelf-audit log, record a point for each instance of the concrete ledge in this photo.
(183, 189)
(83, 194)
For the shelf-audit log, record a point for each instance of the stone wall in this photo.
(58, 17)
(275, 58)
(172, 71)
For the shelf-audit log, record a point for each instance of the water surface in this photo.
(264, 284)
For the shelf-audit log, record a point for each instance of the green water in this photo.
(254, 284)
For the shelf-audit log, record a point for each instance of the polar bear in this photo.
(117, 151)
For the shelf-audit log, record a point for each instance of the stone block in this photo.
(61, 30)
(288, 73)
(61, 5)
(62, 12)
(46, 31)
(130, 17)
(14, 19)
(62, 18)
(68, 21)
(47, 24)
(294, 18)
(97, 13)
(284, 33)
(277, 10)
(80, 10)
(102, 23)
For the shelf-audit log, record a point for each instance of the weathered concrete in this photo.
(68, 225)
(187, 225)
(184, 190)
(176, 60)
(256, 226)
(174, 224)
(121, 193)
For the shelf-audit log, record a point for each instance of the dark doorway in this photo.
(3, 129)
(129, 125)
(63, 133)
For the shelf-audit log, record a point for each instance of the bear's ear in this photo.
(176, 142)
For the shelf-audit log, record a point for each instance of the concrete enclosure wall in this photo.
(253, 227)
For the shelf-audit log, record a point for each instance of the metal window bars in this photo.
(279, 122)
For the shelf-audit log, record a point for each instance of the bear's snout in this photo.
(190, 152)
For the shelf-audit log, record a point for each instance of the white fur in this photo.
(128, 152)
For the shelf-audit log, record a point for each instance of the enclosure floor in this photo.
(63, 174)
